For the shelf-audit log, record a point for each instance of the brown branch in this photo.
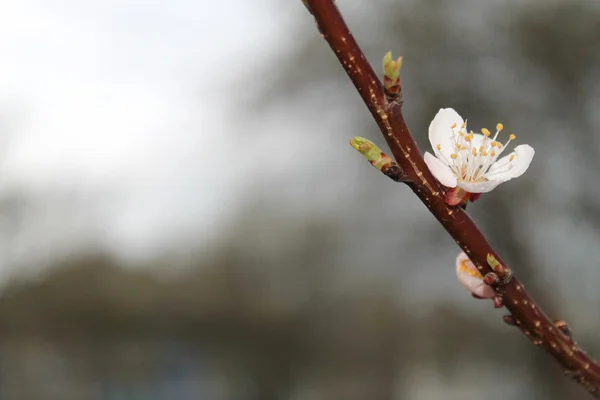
(526, 314)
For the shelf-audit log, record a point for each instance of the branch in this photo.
(387, 112)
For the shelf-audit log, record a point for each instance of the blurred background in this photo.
(181, 216)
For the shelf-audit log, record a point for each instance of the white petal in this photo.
(478, 140)
(441, 133)
(480, 187)
(441, 171)
(483, 290)
(460, 258)
(504, 169)
(473, 284)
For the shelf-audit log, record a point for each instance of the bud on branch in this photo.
(391, 76)
(378, 158)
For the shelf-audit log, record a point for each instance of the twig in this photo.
(526, 314)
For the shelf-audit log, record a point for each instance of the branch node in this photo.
(491, 279)
(504, 273)
(394, 172)
(563, 327)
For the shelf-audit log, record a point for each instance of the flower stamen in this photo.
(511, 137)
(471, 163)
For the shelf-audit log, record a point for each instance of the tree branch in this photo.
(526, 314)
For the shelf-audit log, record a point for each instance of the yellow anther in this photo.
(485, 154)
(499, 127)
(485, 131)
(512, 136)
(475, 152)
(499, 145)
(439, 147)
(493, 144)
(463, 147)
(493, 153)
(454, 156)
(461, 133)
(481, 149)
(464, 125)
(512, 157)
(453, 126)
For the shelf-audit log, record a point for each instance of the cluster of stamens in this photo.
(471, 158)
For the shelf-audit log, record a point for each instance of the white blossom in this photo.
(471, 278)
(470, 160)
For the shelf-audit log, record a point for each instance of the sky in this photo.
(121, 104)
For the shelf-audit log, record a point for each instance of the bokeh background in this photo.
(181, 216)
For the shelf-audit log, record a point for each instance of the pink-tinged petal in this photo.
(504, 169)
(471, 278)
(440, 132)
(440, 171)
(480, 187)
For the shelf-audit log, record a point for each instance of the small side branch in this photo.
(382, 102)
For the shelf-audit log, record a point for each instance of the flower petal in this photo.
(504, 169)
(478, 139)
(441, 171)
(440, 132)
(480, 187)
(470, 277)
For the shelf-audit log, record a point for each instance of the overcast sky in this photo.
(122, 103)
